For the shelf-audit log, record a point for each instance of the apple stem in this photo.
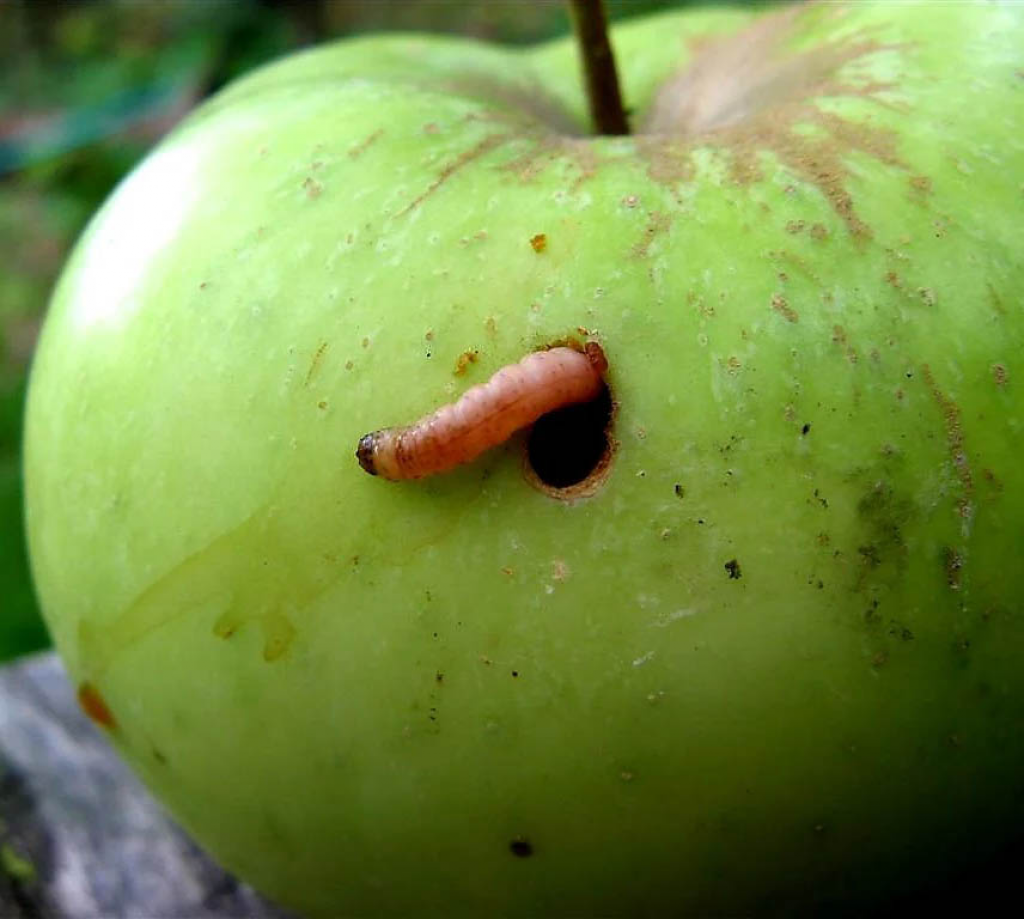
(590, 23)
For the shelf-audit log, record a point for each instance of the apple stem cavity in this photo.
(590, 23)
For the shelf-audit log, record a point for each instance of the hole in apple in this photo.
(568, 451)
(521, 847)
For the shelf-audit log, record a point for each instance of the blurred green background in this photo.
(86, 88)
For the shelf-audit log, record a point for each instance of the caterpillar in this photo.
(486, 415)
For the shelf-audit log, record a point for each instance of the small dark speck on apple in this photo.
(521, 847)
(733, 567)
(680, 491)
(806, 429)
(515, 673)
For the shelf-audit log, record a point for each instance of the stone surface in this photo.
(79, 835)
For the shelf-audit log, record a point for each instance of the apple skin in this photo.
(463, 694)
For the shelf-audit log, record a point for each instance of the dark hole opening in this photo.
(567, 445)
(520, 847)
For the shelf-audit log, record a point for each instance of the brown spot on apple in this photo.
(953, 563)
(999, 375)
(669, 159)
(314, 365)
(539, 242)
(357, 150)
(463, 361)
(839, 337)
(745, 96)
(796, 263)
(278, 633)
(707, 310)
(482, 147)
(277, 630)
(782, 307)
(657, 224)
(955, 441)
(95, 706)
(226, 625)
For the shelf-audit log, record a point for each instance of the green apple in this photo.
(772, 657)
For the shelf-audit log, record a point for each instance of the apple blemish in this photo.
(520, 847)
(487, 415)
(95, 706)
(464, 360)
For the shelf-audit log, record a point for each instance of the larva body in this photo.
(486, 415)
